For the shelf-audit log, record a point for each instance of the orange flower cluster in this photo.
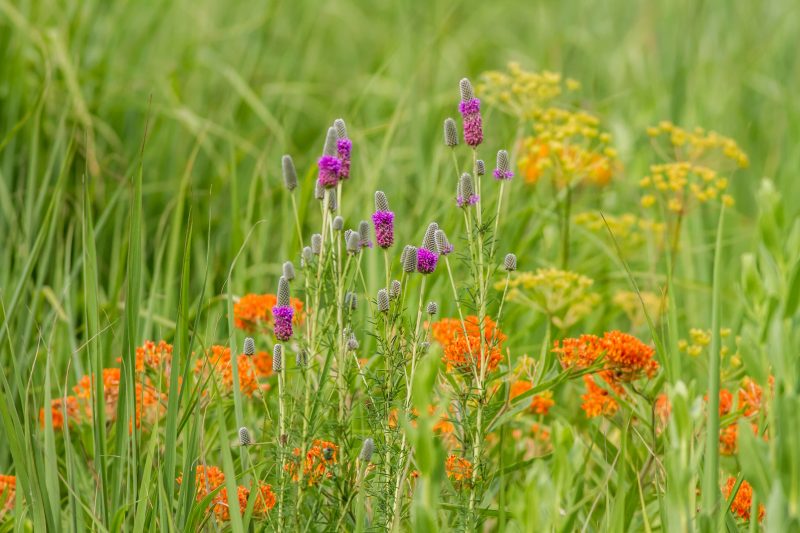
(464, 353)
(459, 470)
(78, 408)
(750, 403)
(8, 492)
(210, 478)
(540, 403)
(662, 408)
(743, 501)
(253, 312)
(625, 358)
(319, 459)
(217, 360)
(155, 356)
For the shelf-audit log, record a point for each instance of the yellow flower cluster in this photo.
(696, 156)
(628, 229)
(521, 93)
(631, 304)
(566, 297)
(700, 339)
(569, 146)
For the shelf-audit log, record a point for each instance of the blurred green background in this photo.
(228, 87)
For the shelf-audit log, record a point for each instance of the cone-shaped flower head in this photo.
(409, 259)
(352, 343)
(383, 301)
(343, 148)
(480, 167)
(450, 133)
(510, 262)
(353, 243)
(394, 289)
(338, 223)
(383, 221)
(363, 234)
(470, 109)
(288, 271)
(426, 261)
(283, 291)
(333, 203)
(429, 240)
(329, 164)
(316, 244)
(367, 449)
(245, 439)
(443, 246)
(319, 191)
(466, 191)
(289, 172)
(249, 346)
(503, 169)
(277, 358)
(381, 202)
(307, 255)
(341, 128)
(432, 308)
(301, 359)
(351, 300)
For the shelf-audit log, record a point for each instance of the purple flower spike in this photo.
(329, 168)
(384, 228)
(343, 149)
(502, 174)
(473, 126)
(283, 315)
(469, 200)
(426, 261)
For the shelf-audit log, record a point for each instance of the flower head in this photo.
(464, 353)
(283, 315)
(384, 228)
(426, 261)
(459, 470)
(503, 169)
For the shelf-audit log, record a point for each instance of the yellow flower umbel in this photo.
(700, 339)
(520, 93)
(697, 163)
(629, 230)
(568, 147)
(564, 296)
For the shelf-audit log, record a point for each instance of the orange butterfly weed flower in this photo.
(217, 360)
(743, 501)
(662, 408)
(725, 402)
(598, 401)
(750, 397)
(253, 312)
(148, 400)
(459, 470)
(62, 409)
(464, 353)
(8, 492)
(155, 356)
(540, 403)
(319, 459)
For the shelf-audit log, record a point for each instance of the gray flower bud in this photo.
(289, 172)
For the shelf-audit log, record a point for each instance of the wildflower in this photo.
(343, 148)
(541, 403)
(426, 261)
(510, 262)
(394, 289)
(262, 364)
(338, 223)
(443, 246)
(8, 492)
(503, 168)
(352, 343)
(409, 259)
(459, 470)
(470, 109)
(277, 358)
(253, 312)
(662, 408)
(743, 501)
(316, 244)
(333, 203)
(249, 346)
(319, 459)
(218, 361)
(480, 167)
(62, 410)
(306, 256)
(366, 450)
(245, 439)
(351, 300)
(353, 243)
(464, 353)
(288, 271)
(598, 401)
(329, 164)
(383, 301)
(301, 359)
(450, 133)
(750, 394)
(432, 308)
(465, 194)
(639, 305)
(384, 228)
(319, 191)
(429, 240)
(289, 172)
(363, 234)
(520, 93)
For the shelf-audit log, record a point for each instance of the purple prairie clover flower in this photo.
(329, 168)
(465, 192)
(283, 315)
(384, 228)
(343, 148)
(426, 261)
(503, 168)
(470, 109)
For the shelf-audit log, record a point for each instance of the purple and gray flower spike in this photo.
(503, 169)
